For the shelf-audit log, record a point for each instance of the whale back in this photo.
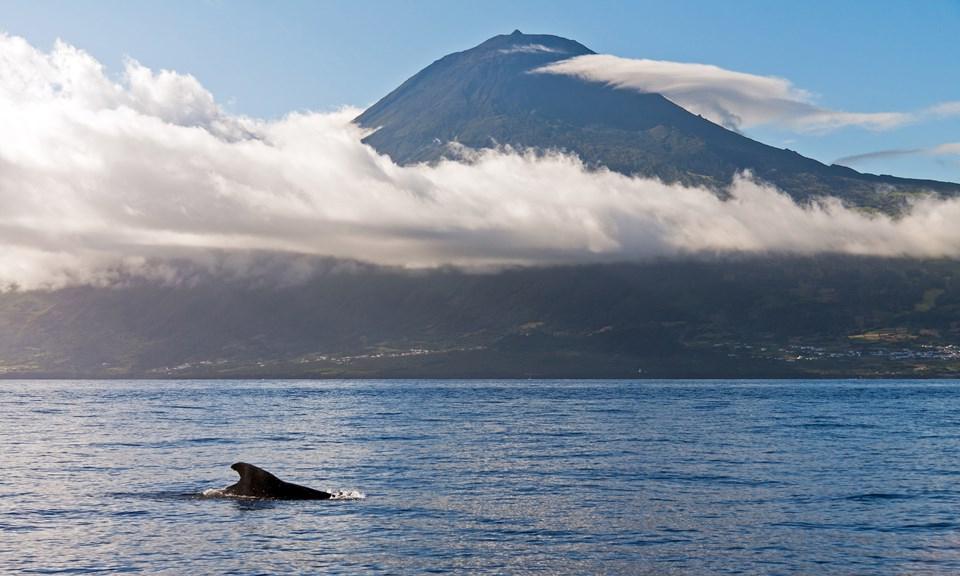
(256, 482)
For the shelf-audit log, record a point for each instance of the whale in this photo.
(258, 483)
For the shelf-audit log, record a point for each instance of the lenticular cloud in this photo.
(98, 175)
(732, 99)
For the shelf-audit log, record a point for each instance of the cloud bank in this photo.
(733, 99)
(99, 176)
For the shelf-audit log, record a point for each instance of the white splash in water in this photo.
(348, 495)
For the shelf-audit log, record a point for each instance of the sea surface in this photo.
(475, 477)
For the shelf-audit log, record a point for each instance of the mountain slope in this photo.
(826, 316)
(487, 96)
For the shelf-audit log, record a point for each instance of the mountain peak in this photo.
(519, 43)
(487, 96)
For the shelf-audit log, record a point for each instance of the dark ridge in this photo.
(828, 316)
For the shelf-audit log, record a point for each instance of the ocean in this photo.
(483, 477)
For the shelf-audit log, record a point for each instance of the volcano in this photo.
(490, 96)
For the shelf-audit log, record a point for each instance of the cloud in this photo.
(877, 155)
(530, 49)
(945, 110)
(948, 149)
(952, 148)
(101, 179)
(733, 99)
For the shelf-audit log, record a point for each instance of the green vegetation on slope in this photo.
(828, 316)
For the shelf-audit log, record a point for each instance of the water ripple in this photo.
(525, 477)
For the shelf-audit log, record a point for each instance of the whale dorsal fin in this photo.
(258, 483)
(254, 481)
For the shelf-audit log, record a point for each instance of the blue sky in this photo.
(266, 59)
